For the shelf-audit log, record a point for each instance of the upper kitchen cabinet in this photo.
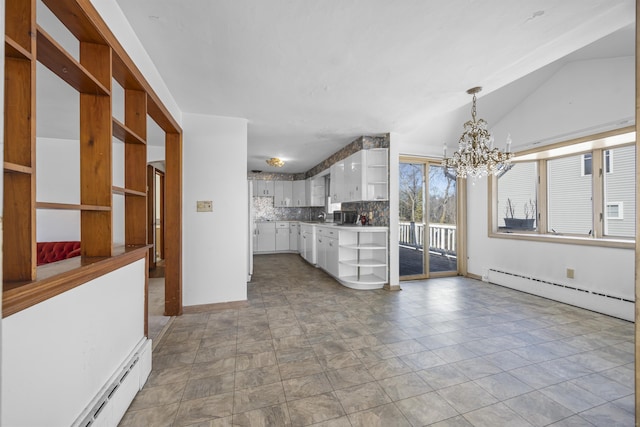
(299, 198)
(264, 188)
(337, 182)
(315, 191)
(283, 194)
(362, 176)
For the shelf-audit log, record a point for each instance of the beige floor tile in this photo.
(257, 377)
(258, 397)
(315, 409)
(158, 396)
(404, 386)
(311, 385)
(271, 416)
(361, 397)
(159, 416)
(382, 416)
(204, 387)
(199, 410)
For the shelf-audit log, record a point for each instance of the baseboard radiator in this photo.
(111, 403)
(600, 302)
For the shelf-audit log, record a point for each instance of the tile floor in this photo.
(443, 352)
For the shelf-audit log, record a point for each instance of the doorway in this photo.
(428, 216)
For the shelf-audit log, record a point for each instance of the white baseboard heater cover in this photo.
(601, 302)
(111, 403)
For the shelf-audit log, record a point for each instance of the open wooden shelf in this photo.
(76, 19)
(12, 167)
(57, 59)
(125, 134)
(13, 49)
(71, 207)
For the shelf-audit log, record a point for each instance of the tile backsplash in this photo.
(264, 210)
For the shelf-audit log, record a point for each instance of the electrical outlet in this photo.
(570, 273)
(204, 206)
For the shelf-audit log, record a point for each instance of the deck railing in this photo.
(442, 237)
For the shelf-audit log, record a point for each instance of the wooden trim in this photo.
(20, 22)
(62, 276)
(574, 141)
(77, 19)
(151, 224)
(566, 240)
(126, 191)
(125, 134)
(231, 305)
(637, 245)
(55, 58)
(72, 207)
(473, 276)
(146, 294)
(173, 225)
(13, 167)
(13, 49)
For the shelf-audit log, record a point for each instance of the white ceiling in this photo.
(310, 76)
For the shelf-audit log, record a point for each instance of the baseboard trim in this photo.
(473, 276)
(230, 305)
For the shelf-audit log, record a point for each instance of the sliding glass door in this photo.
(427, 235)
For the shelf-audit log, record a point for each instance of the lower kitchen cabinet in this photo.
(265, 233)
(282, 236)
(355, 256)
(294, 236)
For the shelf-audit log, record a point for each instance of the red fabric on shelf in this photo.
(56, 251)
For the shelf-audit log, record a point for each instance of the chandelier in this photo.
(276, 162)
(476, 156)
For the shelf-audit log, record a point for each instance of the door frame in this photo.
(461, 251)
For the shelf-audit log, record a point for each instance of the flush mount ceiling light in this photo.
(276, 162)
(476, 156)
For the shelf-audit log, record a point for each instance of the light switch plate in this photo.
(204, 206)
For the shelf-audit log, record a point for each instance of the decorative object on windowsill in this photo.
(275, 162)
(526, 223)
(476, 156)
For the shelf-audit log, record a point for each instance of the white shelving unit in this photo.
(376, 174)
(363, 257)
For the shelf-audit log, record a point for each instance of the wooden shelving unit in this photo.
(101, 60)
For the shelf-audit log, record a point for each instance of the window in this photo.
(587, 162)
(618, 193)
(517, 200)
(568, 199)
(614, 210)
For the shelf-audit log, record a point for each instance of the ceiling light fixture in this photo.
(276, 162)
(476, 156)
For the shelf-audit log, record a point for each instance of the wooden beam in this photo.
(173, 225)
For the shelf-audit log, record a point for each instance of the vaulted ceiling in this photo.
(310, 76)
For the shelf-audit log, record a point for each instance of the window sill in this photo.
(567, 240)
(58, 277)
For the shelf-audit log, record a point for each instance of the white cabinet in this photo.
(361, 176)
(327, 249)
(282, 236)
(332, 254)
(337, 182)
(307, 243)
(321, 249)
(299, 196)
(265, 237)
(353, 177)
(263, 188)
(282, 194)
(316, 191)
(294, 236)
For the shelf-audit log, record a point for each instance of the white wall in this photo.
(582, 98)
(120, 27)
(57, 355)
(560, 107)
(214, 243)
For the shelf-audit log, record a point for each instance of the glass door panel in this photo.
(442, 221)
(411, 221)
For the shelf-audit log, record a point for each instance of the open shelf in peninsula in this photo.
(363, 257)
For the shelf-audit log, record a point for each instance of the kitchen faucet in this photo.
(322, 216)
